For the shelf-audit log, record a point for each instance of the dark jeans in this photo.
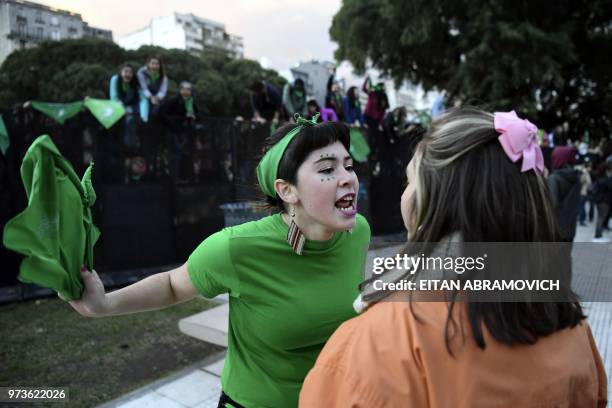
(591, 211)
(603, 212)
(581, 209)
(131, 141)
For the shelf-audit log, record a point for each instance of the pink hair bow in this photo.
(518, 137)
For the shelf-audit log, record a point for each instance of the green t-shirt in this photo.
(283, 307)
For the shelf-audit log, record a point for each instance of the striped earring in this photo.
(295, 238)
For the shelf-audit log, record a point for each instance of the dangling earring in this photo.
(295, 238)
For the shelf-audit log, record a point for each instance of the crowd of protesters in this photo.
(579, 178)
(143, 94)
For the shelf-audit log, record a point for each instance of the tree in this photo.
(549, 61)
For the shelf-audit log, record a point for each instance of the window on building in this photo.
(54, 21)
(55, 35)
(39, 33)
(39, 18)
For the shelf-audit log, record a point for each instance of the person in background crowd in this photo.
(585, 185)
(294, 99)
(605, 151)
(154, 85)
(395, 122)
(333, 99)
(352, 107)
(327, 115)
(374, 113)
(124, 88)
(602, 197)
(461, 353)
(265, 102)
(564, 185)
(179, 115)
(438, 106)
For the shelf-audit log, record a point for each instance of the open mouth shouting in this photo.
(347, 205)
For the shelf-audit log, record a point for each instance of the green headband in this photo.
(267, 169)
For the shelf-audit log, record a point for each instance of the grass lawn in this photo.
(45, 343)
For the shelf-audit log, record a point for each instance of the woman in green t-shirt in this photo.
(291, 276)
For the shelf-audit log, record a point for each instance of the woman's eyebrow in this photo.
(326, 158)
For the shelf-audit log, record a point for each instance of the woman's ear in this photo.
(286, 191)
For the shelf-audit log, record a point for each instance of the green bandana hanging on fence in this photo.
(189, 106)
(106, 111)
(267, 169)
(60, 112)
(5, 142)
(56, 231)
(359, 146)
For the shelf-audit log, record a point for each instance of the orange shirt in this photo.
(386, 358)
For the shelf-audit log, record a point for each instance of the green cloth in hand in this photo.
(56, 231)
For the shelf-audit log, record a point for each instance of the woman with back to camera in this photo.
(291, 276)
(475, 175)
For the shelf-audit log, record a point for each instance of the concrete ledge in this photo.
(210, 325)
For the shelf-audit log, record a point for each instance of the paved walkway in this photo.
(199, 386)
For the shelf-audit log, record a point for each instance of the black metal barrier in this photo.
(157, 199)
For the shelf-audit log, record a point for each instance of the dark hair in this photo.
(257, 86)
(492, 201)
(298, 83)
(161, 65)
(309, 139)
(133, 84)
(352, 97)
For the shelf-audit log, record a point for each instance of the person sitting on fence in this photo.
(179, 114)
(291, 276)
(265, 102)
(124, 88)
(476, 177)
(154, 85)
(352, 107)
(294, 99)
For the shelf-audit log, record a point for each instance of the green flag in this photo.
(60, 112)
(55, 232)
(359, 146)
(106, 111)
(4, 137)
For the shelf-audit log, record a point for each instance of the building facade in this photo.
(24, 24)
(185, 32)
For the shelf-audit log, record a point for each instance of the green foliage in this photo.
(64, 71)
(548, 61)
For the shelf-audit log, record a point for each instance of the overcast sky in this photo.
(277, 33)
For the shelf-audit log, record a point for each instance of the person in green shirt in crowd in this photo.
(291, 276)
(154, 86)
(178, 113)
